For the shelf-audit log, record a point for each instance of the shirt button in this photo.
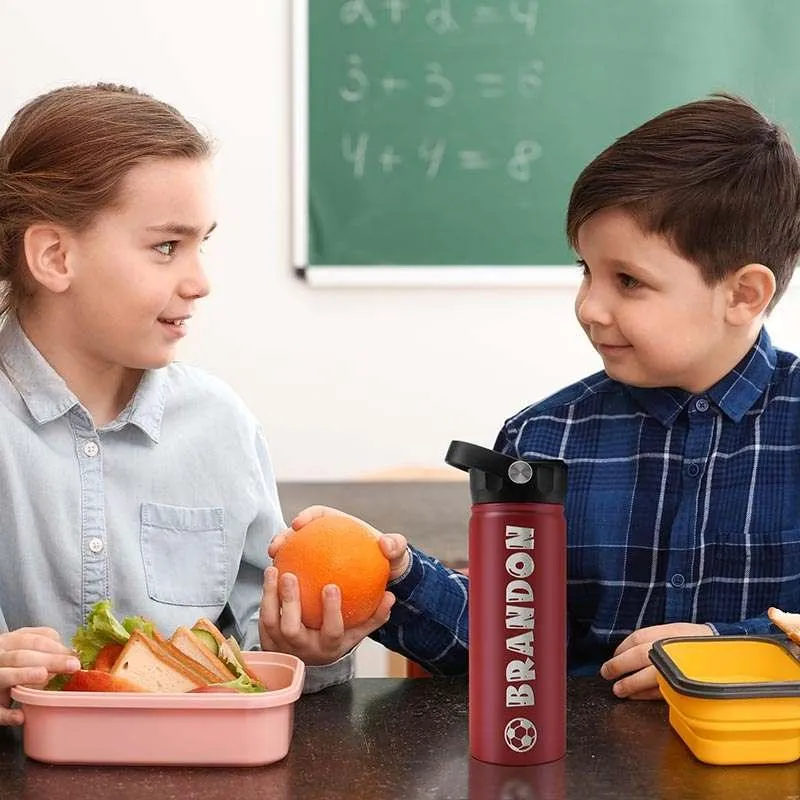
(677, 580)
(692, 470)
(701, 404)
(91, 449)
(96, 545)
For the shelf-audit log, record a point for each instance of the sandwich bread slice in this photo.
(226, 650)
(159, 666)
(190, 645)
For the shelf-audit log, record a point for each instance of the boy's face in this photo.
(646, 309)
(137, 270)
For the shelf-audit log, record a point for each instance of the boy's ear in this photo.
(46, 256)
(750, 290)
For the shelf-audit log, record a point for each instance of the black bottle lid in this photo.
(498, 478)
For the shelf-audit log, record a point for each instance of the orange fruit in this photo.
(336, 550)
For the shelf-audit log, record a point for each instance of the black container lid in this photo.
(721, 691)
(498, 478)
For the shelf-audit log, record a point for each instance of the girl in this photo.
(123, 474)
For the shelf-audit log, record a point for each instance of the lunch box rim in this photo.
(722, 691)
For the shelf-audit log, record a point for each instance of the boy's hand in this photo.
(631, 659)
(393, 545)
(29, 656)
(281, 627)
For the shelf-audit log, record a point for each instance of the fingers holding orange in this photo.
(334, 549)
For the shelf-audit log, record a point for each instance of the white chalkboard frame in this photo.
(379, 276)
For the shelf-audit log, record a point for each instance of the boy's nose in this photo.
(591, 307)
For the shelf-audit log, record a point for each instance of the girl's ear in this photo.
(750, 290)
(46, 256)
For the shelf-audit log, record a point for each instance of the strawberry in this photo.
(107, 657)
(92, 680)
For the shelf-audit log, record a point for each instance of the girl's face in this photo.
(137, 271)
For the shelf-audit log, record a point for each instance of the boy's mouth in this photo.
(176, 322)
(610, 349)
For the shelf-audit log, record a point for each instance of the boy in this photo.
(684, 453)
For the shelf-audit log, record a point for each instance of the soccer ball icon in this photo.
(520, 734)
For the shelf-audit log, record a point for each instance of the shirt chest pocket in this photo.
(184, 554)
(767, 565)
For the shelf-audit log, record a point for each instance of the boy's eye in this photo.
(167, 248)
(627, 281)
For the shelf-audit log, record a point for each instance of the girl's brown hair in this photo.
(63, 159)
(715, 177)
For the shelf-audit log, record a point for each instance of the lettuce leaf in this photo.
(101, 628)
(132, 624)
(56, 683)
(244, 683)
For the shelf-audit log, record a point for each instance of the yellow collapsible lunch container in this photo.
(732, 699)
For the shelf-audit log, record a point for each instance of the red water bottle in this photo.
(517, 606)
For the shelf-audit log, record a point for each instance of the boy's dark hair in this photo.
(715, 177)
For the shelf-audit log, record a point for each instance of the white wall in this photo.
(345, 381)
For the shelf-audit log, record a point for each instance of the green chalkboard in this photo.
(449, 132)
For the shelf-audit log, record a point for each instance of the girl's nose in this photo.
(196, 285)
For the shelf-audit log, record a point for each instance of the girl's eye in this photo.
(583, 267)
(167, 248)
(627, 281)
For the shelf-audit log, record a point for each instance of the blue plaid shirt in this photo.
(428, 623)
(680, 507)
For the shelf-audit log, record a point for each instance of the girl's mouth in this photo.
(176, 326)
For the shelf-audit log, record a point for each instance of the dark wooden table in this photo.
(404, 739)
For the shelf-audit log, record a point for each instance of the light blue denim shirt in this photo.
(168, 510)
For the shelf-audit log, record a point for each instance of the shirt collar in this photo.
(146, 408)
(734, 394)
(665, 404)
(738, 391)
(48, 397)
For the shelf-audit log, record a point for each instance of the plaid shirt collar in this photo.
(734, 395)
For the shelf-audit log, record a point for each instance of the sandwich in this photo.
(159, 666)
(225, 650)
(185, 641)
(133, 655)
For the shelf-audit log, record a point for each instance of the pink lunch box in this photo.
(208, 729)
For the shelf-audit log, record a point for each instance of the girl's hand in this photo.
(281, 627)
(30, 656)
